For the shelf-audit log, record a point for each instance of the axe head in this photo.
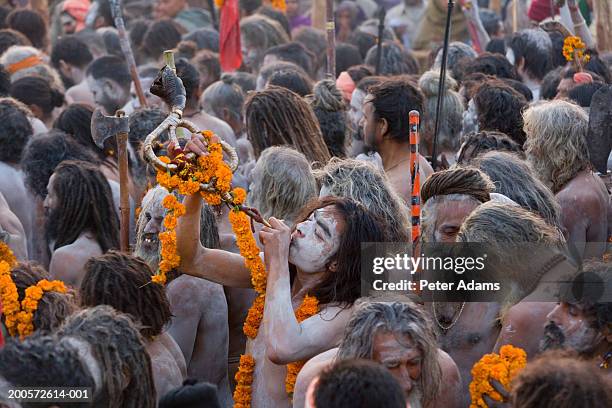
(169, 87)
(106, 127)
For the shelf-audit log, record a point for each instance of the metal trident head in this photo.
(169, 87)
(104, 127)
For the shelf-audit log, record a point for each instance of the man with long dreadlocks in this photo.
(199, 323)
(556, 146)
(323, 251)
(400, 336)
(122, 281)
(81, 221)
(118, 347)
(277, 116)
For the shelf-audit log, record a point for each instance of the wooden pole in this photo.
(515, 16)
(124, 194)
(440, 101)
(603, 13)
(495, 5)
(330, 27)
(126, 48)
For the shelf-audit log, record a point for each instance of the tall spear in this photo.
(330, 27)
(126, 48)
(440, 102)
(415, 195)
(381, 35)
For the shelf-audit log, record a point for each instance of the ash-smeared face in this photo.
(569, 327)
(316, 240)
(148, 227)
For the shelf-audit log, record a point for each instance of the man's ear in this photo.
(64, 68)
(227, 115)
(36, 110)
(520, 65)
(383, 126)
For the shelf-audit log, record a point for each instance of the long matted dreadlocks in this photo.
(85, 203)
(277, 116)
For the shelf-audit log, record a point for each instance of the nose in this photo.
(553, 316)
(406, 382)
(152, 227)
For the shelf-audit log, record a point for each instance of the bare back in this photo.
(585, 204)
(68, 262)
(199, 326)
(166, 372)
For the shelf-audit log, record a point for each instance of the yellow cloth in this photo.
(431, 31)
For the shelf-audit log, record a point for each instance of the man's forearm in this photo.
(282, 327)
(188, 231)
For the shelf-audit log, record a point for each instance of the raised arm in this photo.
(286, 339)
(215, 265)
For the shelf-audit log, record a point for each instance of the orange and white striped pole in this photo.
(415, 196)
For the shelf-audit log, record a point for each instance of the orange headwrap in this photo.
(346, 85)
(27, 62)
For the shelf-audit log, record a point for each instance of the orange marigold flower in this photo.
(6, 254)
(502, 367)
(239, 195)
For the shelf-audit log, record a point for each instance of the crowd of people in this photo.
(515, 148)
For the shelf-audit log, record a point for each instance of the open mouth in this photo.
(150, 240)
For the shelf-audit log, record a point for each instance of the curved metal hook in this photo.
(171, 123)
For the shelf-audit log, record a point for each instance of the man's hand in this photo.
(491, 403)
(276, 242)
(197, 144)
(470, 10)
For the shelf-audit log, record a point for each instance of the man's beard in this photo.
(415, 399)
(149, 255)
(555, 338)
(542, 169)
(52, 223)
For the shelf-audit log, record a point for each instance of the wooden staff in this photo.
(330, 26)
(126, 48)
(381, 36)
(515, 16)
(440, 101)
(415, 179)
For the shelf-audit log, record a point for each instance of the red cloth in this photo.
(540, 10)
(230, 52)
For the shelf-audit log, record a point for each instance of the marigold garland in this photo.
(502, 367)
(18, 317)
(207, 169)
(9, 298)
(574, 50)
(29, 304)
(6, 254)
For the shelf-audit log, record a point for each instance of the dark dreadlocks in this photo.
(42, 361)
(120, 350)
(121, 281)
(277, 116)
(53, 307)
(84, 203)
